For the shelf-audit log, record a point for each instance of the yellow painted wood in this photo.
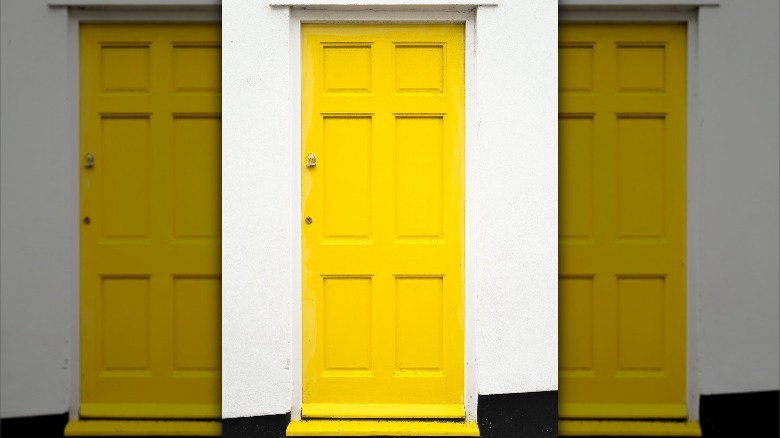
(381, 428)
(331, 410)
(636, 410)
(628, 428)
(150, 410)
(382, 303)
(143, 428)
(622, 142)
(150, 220)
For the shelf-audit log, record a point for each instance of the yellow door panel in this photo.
(622, 220)
(382, 116)
(150, 213)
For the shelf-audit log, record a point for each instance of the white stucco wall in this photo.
(516, 198)
(735, 272)
(733, 253)
(37, 217)
(257, 201)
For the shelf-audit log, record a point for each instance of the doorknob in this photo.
(311, 160)
(89, 161)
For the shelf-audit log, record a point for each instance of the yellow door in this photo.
(150, 220)
(622, 220)
(382, 115)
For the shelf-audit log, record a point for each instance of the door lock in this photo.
(311, 160)
(89, 161)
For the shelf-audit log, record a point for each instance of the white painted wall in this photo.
(257, 202)
(737, 189)
(37, 217)
(517, 197)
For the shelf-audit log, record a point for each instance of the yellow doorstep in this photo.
(399, 411)
(143, 428)
(381, 428)
(628, 428)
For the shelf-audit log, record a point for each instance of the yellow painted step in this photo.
(143, 428)
(369, 410)
(159, 411)
(632, 411)
(628, 428)
(382, 428)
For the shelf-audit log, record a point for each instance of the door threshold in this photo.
(379, 410)
(382, 428)
(143, 428)
(628, 428)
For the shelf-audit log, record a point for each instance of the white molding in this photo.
(133, 3)
(137, 16)
(637, 3)
(384, 3)
(296, 252)
(694, 152)
(321, 15)
(74, 196)
(299, 16)
(471, 391)
(644, 16)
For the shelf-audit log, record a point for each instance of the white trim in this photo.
(388, 3)
(637, 3)
(368, 16)
(299, 16)
(72, 142)
(693, 150)
(133, 3)
(296, 343)
(75, 18)
(158, 16)
(659, 16)
(470, 389)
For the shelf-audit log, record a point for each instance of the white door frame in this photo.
(75, 18)
(461, 15)
(694, 152)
